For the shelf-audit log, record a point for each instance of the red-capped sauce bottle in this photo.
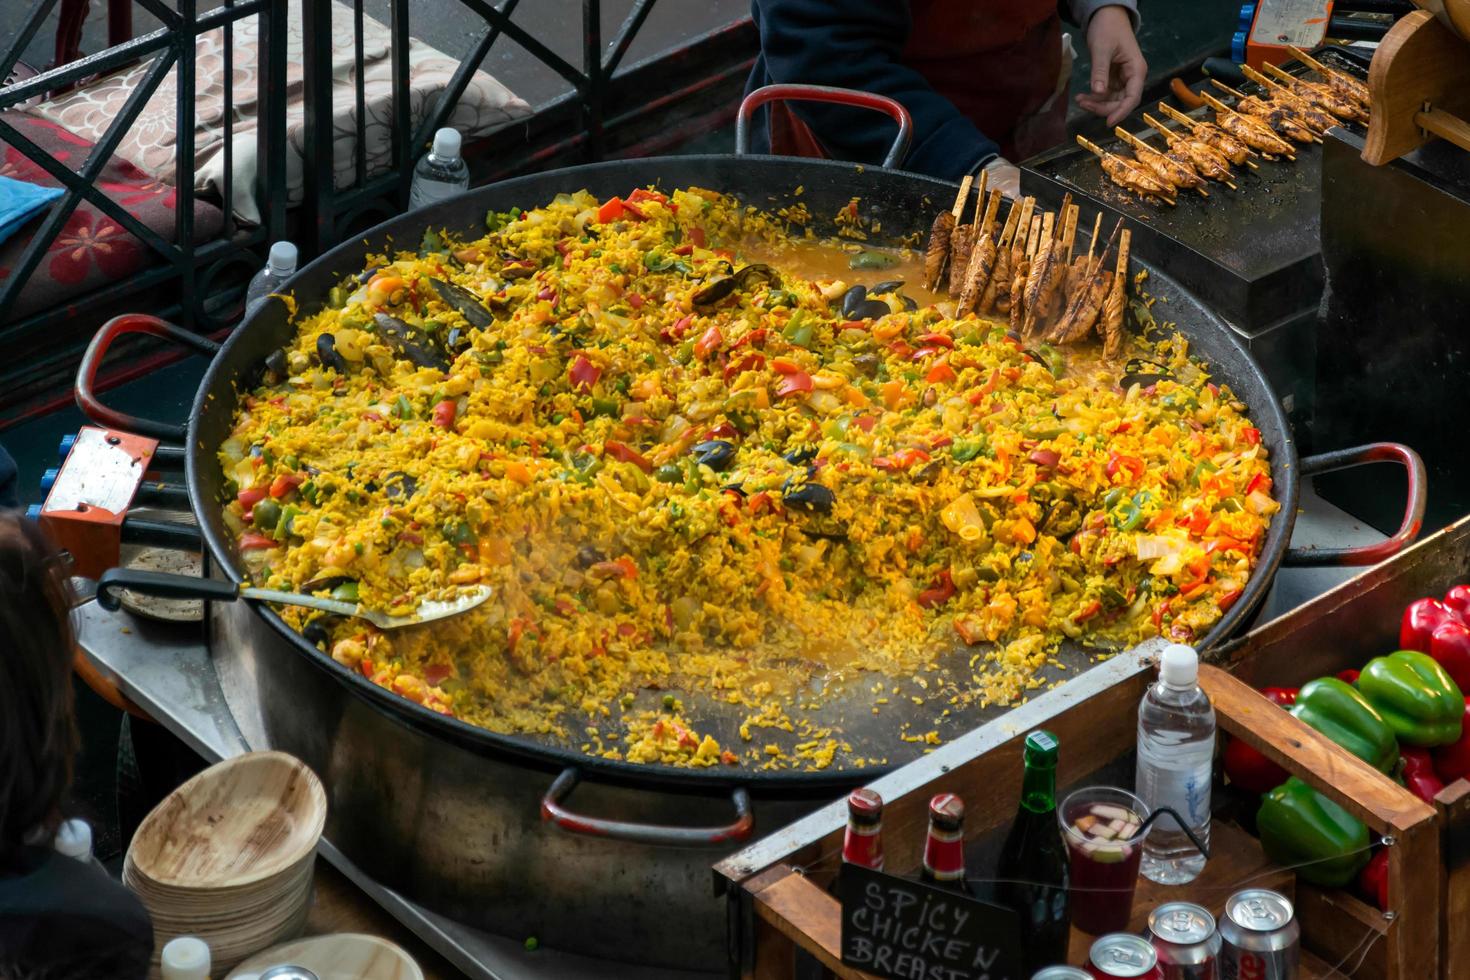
(944, 850)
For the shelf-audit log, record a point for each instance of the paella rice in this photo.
(680, 466)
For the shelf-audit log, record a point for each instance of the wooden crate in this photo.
(778, 886)
(1346, 627)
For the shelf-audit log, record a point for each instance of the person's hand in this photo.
(1118, 68)
(1005, 176)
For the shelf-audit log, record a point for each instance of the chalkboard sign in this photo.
(907, 930)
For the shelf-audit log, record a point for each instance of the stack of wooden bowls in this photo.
(229, 855)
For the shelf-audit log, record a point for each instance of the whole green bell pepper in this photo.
(1340, 712)
(1415, 696)
(1301, 828)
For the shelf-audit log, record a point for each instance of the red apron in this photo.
(996, 60)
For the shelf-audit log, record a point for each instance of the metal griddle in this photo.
(1253, 254)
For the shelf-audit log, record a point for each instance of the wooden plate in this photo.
(236, 824)
(343, 956)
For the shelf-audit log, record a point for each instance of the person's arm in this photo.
(856, 44)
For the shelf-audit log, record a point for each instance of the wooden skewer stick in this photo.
(1307, 59)
(1219, 106)
(1092, 242)
(980, 191)
(1281, 73)
(1023, 228)
(991, 207)
(1061, 225)
(1069, 228)
(1008, 231)
(1034, 238)
(1192, 123)
(962, 197)
(1122, 268)
(1138, 143)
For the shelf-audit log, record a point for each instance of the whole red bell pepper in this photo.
(1452, 762)
(1373, 879)
(1419, 622)
(1245, 765)
(1449, 644)
(1419, 774)
(1458, 599)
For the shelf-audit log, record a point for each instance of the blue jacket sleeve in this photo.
(856, 44)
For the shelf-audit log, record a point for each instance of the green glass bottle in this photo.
(1032, 874)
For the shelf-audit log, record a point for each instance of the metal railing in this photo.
(332, 214)
(190, 271)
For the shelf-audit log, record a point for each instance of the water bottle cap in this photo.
(446, 143)
(283, 258)
(186, 954)
(1179, 665)
(74, 839)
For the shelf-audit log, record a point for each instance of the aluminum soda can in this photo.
(1061, 973)
(1260, 938)
(1124, 956)
(1184, 936)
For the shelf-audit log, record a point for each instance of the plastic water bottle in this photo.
(185, 958)
(440, 173)
(1176, 751)
(278, 268)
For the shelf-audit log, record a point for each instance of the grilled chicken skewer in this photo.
(1112, 310)
(1342, 83)
(982, 258)
(1250, 130)
(937, 254)
(1236, 151)
(1043, 278)
(1168, 170)
(1130, 175)
(1322, 95)
(1208, 160)
(1003, 289)
(1312, 115)
(1283, 119)
(1000, 277)
(1081, 269)
(962, 241)
(1087, 299)
(1022, 276)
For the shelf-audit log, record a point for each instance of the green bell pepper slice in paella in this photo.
(1415, 696)
(1339, 711)
(1302, 829)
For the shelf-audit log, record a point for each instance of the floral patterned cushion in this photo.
(92, 249)
(485, 106)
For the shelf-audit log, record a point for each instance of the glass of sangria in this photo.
(1101, 827)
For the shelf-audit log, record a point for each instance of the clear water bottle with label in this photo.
(1176, 751)
(440, 173)
(280, 266)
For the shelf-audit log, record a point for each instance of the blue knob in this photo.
(1247, 16)
(1237, 47)
(48, 479)
(33, 512)
(67, 441)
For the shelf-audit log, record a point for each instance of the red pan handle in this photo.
(553, 810)
(835, 96)
(86, 385)
(1371, 554)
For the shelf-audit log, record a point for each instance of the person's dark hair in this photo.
(38, 734)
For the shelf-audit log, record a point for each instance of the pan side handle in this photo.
(835, 96)
(161, 584)
(554, 810)
(86, 383)
(1371, 554)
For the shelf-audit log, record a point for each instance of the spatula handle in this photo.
(161, 585)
